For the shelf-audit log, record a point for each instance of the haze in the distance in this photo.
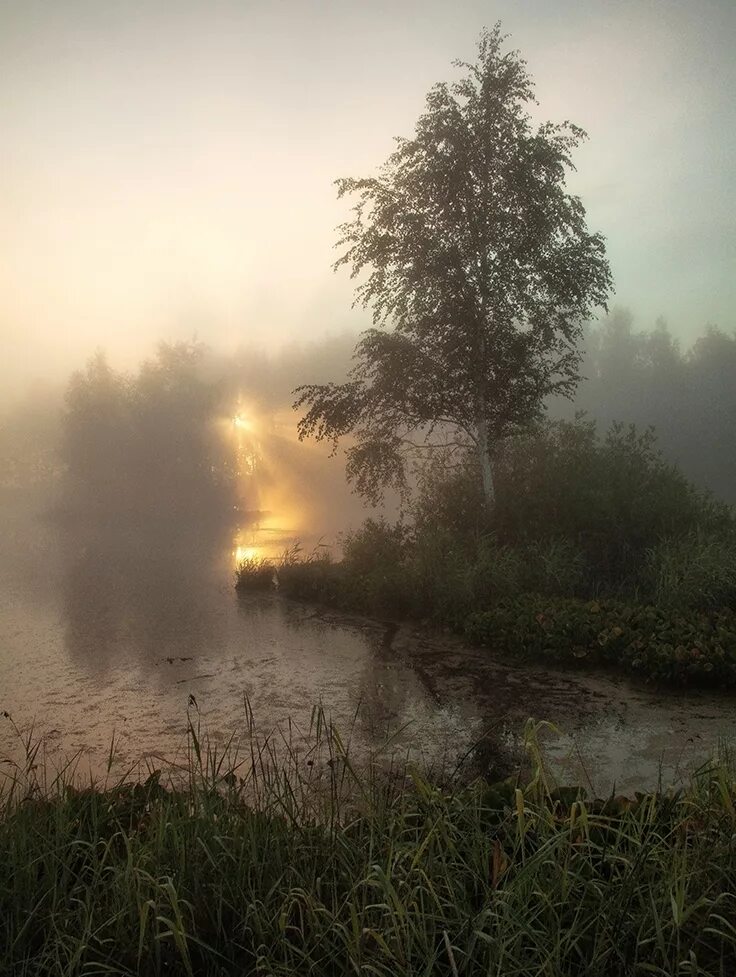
(167, 168)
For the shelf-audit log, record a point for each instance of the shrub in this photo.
(374, 546)
(438, 580)
(607, 499)
(615, 496)
(374, 567)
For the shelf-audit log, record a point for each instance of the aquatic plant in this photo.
(255, 573)
(669, 645)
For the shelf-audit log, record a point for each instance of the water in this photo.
(112, 626)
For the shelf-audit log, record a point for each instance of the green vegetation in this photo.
(479, 270)
(692, 571)
(626, 562)
(289, 864)
(672, 646)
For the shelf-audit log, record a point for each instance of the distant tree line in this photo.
(687, 394)
(152, 435)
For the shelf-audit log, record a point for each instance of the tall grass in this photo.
(698, 570)
(279, 857)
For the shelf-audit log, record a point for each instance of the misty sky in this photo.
(166, 166)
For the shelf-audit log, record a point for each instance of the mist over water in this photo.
(118, 600)
(111, 625)
(166, 286)
(117, 575)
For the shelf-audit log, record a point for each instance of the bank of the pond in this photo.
(675, 646)
(318, 869)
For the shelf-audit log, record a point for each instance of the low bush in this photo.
(562, 485)
(673, 646)
(374, 567)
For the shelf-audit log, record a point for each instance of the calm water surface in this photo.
(113, 626)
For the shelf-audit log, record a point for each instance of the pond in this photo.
(111, 627)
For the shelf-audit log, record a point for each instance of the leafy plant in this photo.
(672, 646)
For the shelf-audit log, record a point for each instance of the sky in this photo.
(167, 167)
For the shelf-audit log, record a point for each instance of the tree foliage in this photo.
(613, 496)
(146, 440)
(469, 246)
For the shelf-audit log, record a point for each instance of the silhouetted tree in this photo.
(482, 262)
(152, 441)
(97, 430)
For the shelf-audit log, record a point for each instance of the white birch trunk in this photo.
(484, 455)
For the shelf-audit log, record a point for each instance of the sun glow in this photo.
(266, 484)
(246, 553)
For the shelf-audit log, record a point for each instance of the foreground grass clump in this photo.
(313, 868)
(667, 645)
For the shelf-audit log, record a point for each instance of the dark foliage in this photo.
(685, 647)
(149, 441)
(610, 498)
(471, 249)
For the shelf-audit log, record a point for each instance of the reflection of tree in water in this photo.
(142, 591)
(386, 700)
(398, 702)
(148, 493)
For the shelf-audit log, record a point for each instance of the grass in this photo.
(282, 858)
(693, 571)
(255, 573)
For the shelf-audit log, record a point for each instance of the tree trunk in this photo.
(484, 456)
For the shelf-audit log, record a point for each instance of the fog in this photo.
(166, 249)
(367, 480)
(168, 172)
(102, 440)
(128, 502)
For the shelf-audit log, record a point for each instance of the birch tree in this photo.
(479, 270)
